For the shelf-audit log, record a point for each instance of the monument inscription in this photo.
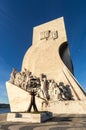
(49, 34)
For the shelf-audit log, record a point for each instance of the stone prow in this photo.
(49, 54)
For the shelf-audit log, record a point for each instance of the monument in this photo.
(46, 81)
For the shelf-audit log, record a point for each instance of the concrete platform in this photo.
(58, 122)
(29, 117)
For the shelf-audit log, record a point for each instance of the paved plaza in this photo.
(59, 122)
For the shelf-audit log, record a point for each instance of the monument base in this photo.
(29, 117)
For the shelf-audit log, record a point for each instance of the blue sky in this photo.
(17, 19)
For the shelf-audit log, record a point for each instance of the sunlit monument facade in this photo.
(47, 68)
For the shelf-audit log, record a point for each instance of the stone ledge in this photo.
(29, 117)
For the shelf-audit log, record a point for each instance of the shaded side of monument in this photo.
(49, 61)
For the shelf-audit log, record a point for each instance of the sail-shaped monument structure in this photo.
(48, 63)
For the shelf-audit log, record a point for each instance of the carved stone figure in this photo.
(65, 92)
(12, 76)
(17, 80)
(52, 85)
(45, 102)
(46, 89)
(61, 95)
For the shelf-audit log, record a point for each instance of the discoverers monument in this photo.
(46, 81)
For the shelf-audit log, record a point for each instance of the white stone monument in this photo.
(48, 56)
